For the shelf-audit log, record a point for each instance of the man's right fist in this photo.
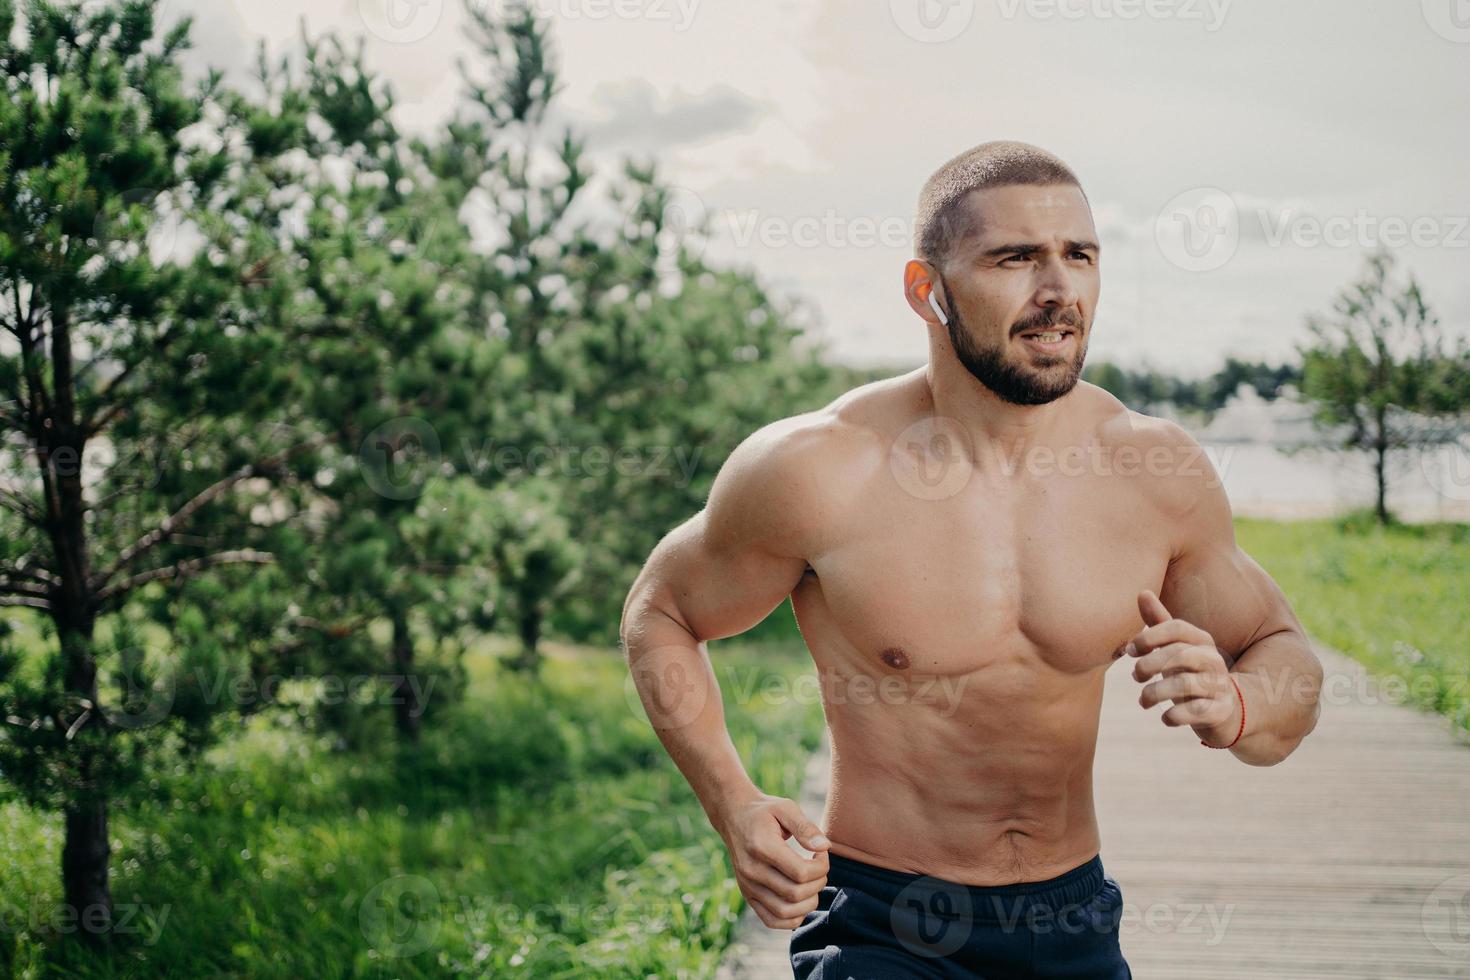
(780, 885)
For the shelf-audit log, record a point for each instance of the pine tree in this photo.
(400, 383)
(143, 377)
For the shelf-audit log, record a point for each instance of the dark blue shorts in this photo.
(876, 923)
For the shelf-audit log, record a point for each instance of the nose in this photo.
(1055, 287)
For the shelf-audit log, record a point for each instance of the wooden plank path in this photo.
(1349, 861)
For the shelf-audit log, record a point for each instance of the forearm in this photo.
(675, 680)
(1280, 680)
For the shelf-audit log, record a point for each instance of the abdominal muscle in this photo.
(981, 778)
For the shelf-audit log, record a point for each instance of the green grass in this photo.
(538, 830)
(1396, 598)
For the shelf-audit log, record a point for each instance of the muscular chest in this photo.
(982, 578)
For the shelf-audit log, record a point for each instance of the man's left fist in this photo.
(1191, 670)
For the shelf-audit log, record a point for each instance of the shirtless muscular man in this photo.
(994, 529)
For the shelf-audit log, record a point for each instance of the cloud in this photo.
(631, 114)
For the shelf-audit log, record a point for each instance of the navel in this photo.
(895, 658)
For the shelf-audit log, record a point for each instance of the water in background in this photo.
(1264, 481)
(1251, 442)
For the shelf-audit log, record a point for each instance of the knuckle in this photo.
(758, 878)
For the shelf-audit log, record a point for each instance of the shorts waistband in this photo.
(982, 902)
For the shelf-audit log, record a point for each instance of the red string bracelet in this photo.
(1242, 720)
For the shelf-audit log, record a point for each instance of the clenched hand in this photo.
(1192, 673)
(780, 885)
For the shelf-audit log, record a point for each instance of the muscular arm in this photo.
(1217, 587)
(718, 574)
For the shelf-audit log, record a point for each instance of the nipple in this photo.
(895, 658)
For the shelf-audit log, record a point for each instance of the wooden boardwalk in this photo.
(1349, 860)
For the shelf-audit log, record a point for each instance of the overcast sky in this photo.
(1241, 156)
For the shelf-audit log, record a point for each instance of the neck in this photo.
(990, 420)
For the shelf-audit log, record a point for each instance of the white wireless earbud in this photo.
(934, 302)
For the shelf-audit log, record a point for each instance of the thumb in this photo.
(795, 823)
(1152, 609)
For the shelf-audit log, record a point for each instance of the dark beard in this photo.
(1018, 385)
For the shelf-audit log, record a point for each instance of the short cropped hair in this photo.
(942, 216)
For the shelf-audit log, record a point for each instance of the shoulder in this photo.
(1168, 465)
(804, 451)
(794, 476)
(1121, 426)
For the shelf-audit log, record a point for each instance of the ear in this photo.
(920, 280)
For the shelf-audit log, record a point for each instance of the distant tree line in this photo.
(1141, 388)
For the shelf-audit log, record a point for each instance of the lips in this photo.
(1048, 341)
(1065, 322)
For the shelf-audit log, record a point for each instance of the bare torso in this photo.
(961, 622)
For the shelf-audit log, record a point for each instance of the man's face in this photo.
(1020, 287)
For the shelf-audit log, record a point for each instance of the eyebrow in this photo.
(1032, 249)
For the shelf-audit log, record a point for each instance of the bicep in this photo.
(713, 581)
(725, 569)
